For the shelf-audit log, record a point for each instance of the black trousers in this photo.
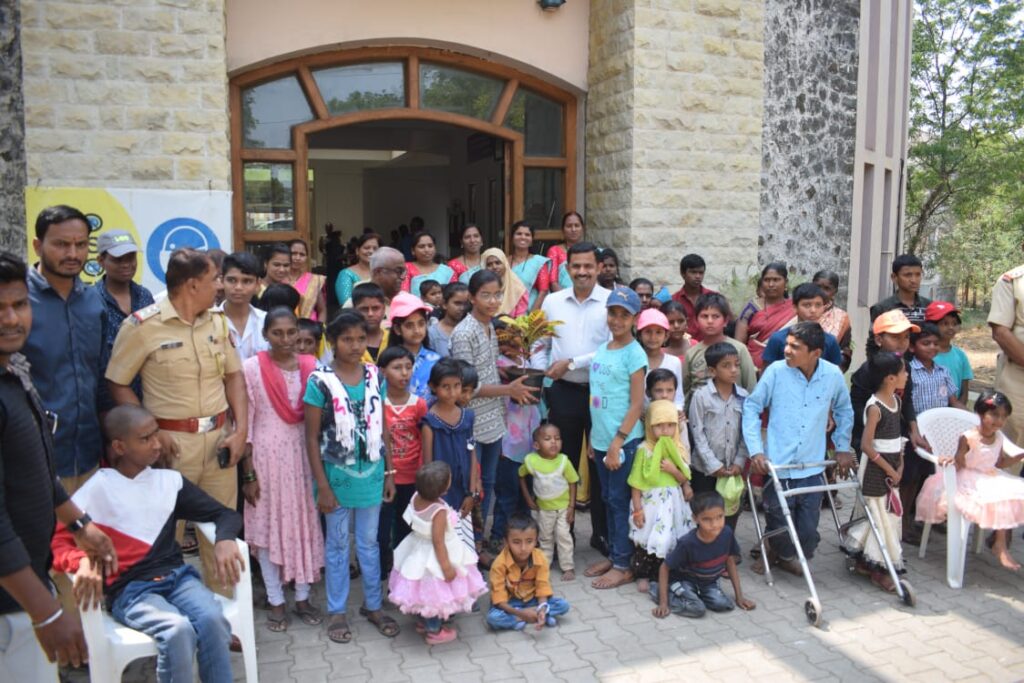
(569, 410)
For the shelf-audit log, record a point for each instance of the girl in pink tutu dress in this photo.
(985, 494)
(435, 574)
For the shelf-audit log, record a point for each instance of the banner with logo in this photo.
(159, 220)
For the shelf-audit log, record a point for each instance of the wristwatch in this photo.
(572, 365)
(79, 523)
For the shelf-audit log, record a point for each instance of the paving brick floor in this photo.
(970, 634)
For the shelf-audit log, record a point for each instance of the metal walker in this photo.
(812, 606)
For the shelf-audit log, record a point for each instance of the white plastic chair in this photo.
(112, 646)
(942, 428)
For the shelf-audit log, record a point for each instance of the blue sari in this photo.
(464, 278)
(442, 275)
(528, 271)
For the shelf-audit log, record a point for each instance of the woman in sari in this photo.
(422, 267)
(532, 269)
(313, 303)
(572, 232)
(366, 245)
(515, 299)
(464, 266)
(757, 324)
(835, 320)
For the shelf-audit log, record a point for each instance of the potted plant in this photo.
(520, 338)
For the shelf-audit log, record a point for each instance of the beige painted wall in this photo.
(515, 32)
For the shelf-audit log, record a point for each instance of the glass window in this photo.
(458, 92)
(269, 199)
(362, 86)
(543, 197)
(270, 110)
(540, 121)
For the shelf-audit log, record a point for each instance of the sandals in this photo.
(386, 626)
(883, 581)
(338, 630)
(277, 624)
(309, 614)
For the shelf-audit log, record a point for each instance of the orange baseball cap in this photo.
(893, 322)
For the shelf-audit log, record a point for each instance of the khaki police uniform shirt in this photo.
(1008, 302)
(182, 365)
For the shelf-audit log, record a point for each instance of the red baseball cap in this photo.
(937, 310)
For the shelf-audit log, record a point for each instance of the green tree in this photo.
(967, 115)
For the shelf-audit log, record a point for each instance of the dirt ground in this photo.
(981, 352)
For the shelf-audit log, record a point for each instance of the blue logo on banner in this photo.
(175, 234)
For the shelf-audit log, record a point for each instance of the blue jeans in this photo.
(805, 509)
(181, 615)
(488, 454)
(499, 619)
(508, 497)
(336, 557)
(690, 599)
(616, 494)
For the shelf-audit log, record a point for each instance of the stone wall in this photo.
(810, 120)
(131, 93)
(690, 133)
(12, 132)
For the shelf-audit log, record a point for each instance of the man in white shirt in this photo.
(582, 310)
(241, 274)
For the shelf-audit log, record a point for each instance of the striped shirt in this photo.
(701, 563)
(477, 344)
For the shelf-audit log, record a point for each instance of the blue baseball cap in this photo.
(626, 298)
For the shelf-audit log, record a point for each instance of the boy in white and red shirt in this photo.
(154, 591)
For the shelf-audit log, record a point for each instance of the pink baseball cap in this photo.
(405, 304)
(652, 316)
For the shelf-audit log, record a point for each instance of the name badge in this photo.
(172, 345)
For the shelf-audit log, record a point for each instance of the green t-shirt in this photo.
(551, 479)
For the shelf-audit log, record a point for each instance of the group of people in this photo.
(403, 423)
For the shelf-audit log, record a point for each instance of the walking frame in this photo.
(812, 606)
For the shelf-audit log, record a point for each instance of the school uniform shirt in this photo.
(610, 373)
(717, 428)
(510, 582)
(776, 348)
(698, 562)
(798, 419)
(140, 516)
(932, 388)
(955, 360)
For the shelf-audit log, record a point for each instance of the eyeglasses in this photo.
(399, 272)
(490, 297)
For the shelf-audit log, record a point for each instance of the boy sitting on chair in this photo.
(799, 395)
(154, 591)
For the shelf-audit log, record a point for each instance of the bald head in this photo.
(387, 269)
(125, 421)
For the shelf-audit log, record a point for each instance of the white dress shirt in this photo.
(250, 341)
(585, 328)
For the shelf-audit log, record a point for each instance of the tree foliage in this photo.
(967, 119)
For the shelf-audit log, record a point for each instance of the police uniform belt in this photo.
(195, 425)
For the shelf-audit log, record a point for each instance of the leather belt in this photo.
(195, 425)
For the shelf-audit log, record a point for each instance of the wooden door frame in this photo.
(410, 56)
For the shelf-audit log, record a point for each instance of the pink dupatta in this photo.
(277, 391)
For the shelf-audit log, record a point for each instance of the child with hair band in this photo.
(281, 521)
(430, 293)
(679, 340)
(350, 458)
(447, 435)
(882, 445)
(652, 329)
(554, 496)
(403, 413)
(985, 494)
(435, 574)
(409, 318)
(454, 307)
(716, 419)
(659, 481)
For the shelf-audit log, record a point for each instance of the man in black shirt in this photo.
(31, 501)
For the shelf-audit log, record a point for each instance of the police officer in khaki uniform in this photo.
(1006, 318)
(191, 375)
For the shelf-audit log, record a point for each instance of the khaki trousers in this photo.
(554, 531)
(1010, 381)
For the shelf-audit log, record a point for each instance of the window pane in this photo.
(543, 197)
(458, 92)
(269, 200)
(270, 110)
(363, 86)
(540, 120)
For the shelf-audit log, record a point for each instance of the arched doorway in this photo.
(502, 142)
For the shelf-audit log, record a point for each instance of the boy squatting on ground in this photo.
(154, 591)
(688, 578)
(520, 581)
